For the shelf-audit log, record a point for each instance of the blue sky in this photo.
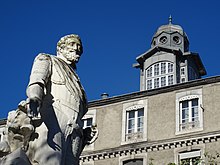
(113, 32)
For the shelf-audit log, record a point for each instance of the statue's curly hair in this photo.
(71, 37)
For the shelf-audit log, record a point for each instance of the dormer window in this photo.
(159, 75)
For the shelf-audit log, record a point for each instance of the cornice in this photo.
(144, 147)
(136, 95)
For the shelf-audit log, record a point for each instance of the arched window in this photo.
(159, 75)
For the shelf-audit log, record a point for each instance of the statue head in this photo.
(70, 48)
(18, 129)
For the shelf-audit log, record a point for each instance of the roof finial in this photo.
(170, 19)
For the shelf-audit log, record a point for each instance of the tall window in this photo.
(135, 124)
(159, 75)
(189, 114)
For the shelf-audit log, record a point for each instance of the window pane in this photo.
(156, 82)
(141, 112)
(149, 72)
(149, 84)
(131, 126)
(195, 113)
(156, 69)
(140, 124)
(163, 68)
(170, 79)
(131, 114)
(182, 71)
(170, 67)
(195, 102)
(163, 81)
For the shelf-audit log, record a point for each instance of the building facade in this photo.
(174, 118)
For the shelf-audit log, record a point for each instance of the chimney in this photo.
(104, 95)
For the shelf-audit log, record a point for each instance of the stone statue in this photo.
(18, 131)
(52, 114)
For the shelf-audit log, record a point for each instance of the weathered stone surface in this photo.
(17, 157)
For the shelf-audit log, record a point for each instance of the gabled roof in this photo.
(140, 59)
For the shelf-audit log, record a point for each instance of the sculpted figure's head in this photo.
(70, 48)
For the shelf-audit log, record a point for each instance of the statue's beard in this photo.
(72, 56)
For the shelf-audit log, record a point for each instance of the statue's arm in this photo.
(41, 71)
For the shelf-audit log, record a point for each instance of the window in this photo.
(189, 114)
(189, 158)
(133, 162)
(87, 122)
(135, 124)
(189, 111)
(159, 75)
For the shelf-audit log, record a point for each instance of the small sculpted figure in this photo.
(18, 132)
(57, 103)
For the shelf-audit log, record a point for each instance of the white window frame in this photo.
(153, 81)
(131, 106)
(189, 123)
(188, 96)
(134, 131)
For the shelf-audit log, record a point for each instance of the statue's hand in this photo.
(33, 108)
